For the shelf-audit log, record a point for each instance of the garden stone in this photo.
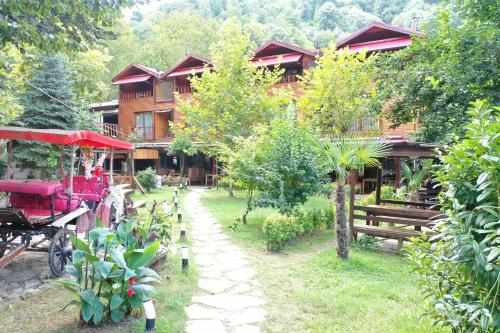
(247, 329)
(205, 326)
(247, 316)
(196, 311)
(228, 301)
(214, 286)
(229, 297)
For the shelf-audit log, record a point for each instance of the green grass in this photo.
(41, 312)
(309, 290)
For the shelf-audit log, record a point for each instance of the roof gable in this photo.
(189, 61)
(274, 47)
(135, 69)
(376, 31)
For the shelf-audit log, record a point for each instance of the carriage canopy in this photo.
(63, 137)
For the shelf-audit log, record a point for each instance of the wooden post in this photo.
(397, 167)
(71, 171)
(111, 181)
(352, 196)
(10, 160)
(62, 173)
(378, 186)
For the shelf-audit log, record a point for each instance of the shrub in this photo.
(386, 192)
(366, 242)
(460, 273)
(110, 275)
(147, 178)
(281, 228)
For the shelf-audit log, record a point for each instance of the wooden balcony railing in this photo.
(184, 89)
(135, 95)
(289, 78)
(110, 129)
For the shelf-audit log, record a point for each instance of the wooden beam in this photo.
(396, 220)
(10, 160)
(397, 168)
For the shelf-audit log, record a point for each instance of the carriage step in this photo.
(137, 204)
(13, 252)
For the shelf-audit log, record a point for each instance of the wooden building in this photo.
(147, 104)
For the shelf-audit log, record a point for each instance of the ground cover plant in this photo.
(308, 289)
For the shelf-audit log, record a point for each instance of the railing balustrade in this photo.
(136, 94)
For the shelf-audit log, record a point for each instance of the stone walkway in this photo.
(229, 298)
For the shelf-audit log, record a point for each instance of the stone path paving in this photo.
(229, 299)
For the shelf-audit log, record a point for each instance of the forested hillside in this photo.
(176, 27)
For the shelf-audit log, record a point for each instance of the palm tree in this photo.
(343, 155)
(415, 179)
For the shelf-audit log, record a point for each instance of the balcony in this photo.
(184, 89)
(124, 96)
(108, 129)
(288, 78)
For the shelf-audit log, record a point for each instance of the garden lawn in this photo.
(41, 312)
(309, 290)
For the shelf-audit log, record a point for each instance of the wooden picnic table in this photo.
(406, 212)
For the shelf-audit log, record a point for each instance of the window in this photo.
(144, 125)
(164, 91)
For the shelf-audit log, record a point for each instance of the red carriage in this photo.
(37, 211)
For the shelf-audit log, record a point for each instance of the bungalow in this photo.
(147, 105)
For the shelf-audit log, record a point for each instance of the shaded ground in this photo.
(40, 311)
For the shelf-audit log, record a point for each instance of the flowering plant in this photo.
(110, 274)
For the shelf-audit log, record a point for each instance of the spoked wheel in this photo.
(60, 252)
(3, 245)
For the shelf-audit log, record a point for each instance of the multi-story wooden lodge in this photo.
(147, 104)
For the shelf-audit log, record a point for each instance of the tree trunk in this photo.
(181, 166)
(342, 227)
(230, 189)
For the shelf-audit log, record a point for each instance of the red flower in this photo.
(130, 292)
(131, 281)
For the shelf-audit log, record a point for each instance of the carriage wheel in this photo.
(60, 251)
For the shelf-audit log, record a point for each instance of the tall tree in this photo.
(434, 79)
(339, 91)
(338, 95)
(47, 104)
(182, 146)
(235, 97)
(56, 24)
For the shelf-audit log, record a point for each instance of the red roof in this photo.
(62, 137)
(274, 47)
(135, 69)
(376, 31)
(381, 45)
(132, 79)
(189, 62)
(188, 71)
(278, 59)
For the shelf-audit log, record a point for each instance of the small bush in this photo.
(366, 242)
(280, 228)
(147, 178)
(386, 192)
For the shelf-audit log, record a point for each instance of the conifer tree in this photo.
(43, 111)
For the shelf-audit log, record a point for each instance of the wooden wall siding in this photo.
(403, 130)
(128, 108)
(146, 154)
